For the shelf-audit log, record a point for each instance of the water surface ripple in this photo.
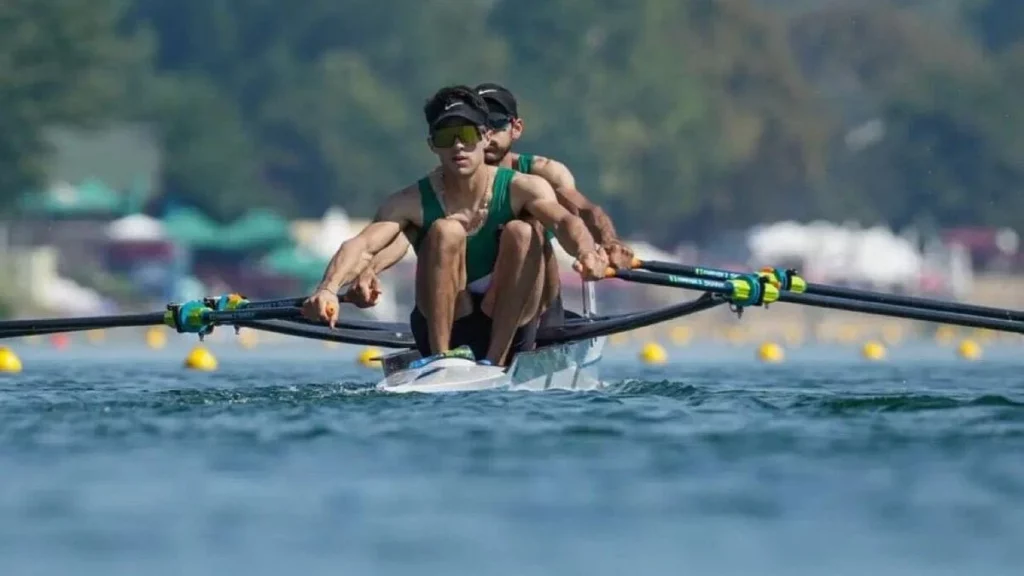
(111, 466)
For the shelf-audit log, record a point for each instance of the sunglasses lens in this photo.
(446, 137)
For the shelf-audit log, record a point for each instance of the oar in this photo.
(195, 321)
(799, 285)
(340, 334)
(743, 290)
(197, 316)
(771, 294)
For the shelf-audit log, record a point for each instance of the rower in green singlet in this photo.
(479, 277)
(506, 128)
(482, 246)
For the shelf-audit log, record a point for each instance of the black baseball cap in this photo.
(459, 109)
(499, 99)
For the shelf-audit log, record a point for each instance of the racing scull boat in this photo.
(569, 366)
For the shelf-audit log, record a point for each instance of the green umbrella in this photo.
(296, 261)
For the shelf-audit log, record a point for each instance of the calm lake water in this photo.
(114, 460)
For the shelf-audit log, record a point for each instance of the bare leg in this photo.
(440, 278)
(514, 296)
(552, 282)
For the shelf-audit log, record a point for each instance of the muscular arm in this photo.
(535, 195)
(390, 255)
(564, 184)
(356, 253)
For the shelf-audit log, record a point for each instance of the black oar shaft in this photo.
(673, 280)
(835, 303)
(283, 308)
(364, 337)
(915, 302)
(898, 311)
(50, 325)
(247, 314)
(673, 268)
(849, 293)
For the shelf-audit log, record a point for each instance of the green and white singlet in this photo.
(482, 246)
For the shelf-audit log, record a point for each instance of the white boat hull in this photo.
(445, 375)
(570, 366)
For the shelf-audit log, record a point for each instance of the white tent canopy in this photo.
(136, 227)
(335, 228)
(69, 297)
(839, 252)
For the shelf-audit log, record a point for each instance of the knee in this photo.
(444, 233)
(520, 234)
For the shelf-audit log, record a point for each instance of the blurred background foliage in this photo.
(682, 117)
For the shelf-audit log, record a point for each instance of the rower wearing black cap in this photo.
(506, 128)
(478, 276)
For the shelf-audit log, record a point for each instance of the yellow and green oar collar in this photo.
(784, 279)
(196, 316)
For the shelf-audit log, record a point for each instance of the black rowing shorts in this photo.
(473, 330)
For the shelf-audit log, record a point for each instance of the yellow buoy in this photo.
(873, 350)
(95, 336)
(199, 358)
(770, 352)
(156, 338)
(9, 361)
(653, 353)
(969, 350)
(369, 357)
